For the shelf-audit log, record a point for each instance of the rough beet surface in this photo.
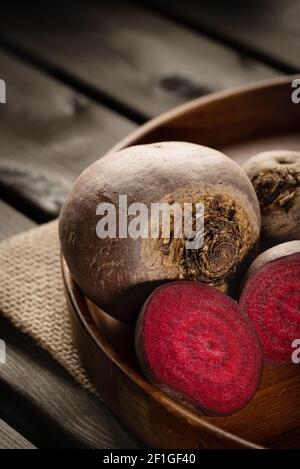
(118, 273)
(275, 176)
(194, 343)
(271, 299)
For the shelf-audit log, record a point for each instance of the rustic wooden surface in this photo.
(12, 222)
(10, 439)
(267, 29)
(79, 78)
(39, 397)
(49, 134)
(144, 62)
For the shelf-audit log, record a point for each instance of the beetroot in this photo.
(275, 176)
(118, 272)
(194, 343)
(271, 299)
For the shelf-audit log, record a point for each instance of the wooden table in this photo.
(80, 77)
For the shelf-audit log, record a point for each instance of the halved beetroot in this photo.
(271, 299)
(194, 343)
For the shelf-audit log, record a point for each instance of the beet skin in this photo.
(119, 273)
(194, 343)
(271, 299)
(275, 176)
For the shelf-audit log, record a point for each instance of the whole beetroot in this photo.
(275, 176)
(118, 273)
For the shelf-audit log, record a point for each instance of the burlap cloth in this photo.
(32, 295)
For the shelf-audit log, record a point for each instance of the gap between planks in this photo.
(49, 134)
(117, 49)
(266, 31)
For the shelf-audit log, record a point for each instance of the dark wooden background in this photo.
(80, 76)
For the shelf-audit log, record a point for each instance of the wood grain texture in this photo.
(46, 404)
(259, 117)
(268, 29)
(49, 134)
(12, 222)
(10, 439)
(117, 49)
(38, 397)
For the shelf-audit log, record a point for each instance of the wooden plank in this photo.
(10, 439)
(49, 134)
(118, 49)
(268, 30)
(12, 221)
(39, 398)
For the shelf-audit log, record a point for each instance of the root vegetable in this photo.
(275, 176)
(194, 343)
(119, 273)
(271, 299)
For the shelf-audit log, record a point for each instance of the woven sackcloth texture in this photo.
(32, 295)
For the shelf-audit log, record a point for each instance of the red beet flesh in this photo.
(195, 344)
(271, 299)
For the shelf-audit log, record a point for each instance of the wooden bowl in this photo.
(240, 123)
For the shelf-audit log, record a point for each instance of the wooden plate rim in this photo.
(192, 105)
(80, 310)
